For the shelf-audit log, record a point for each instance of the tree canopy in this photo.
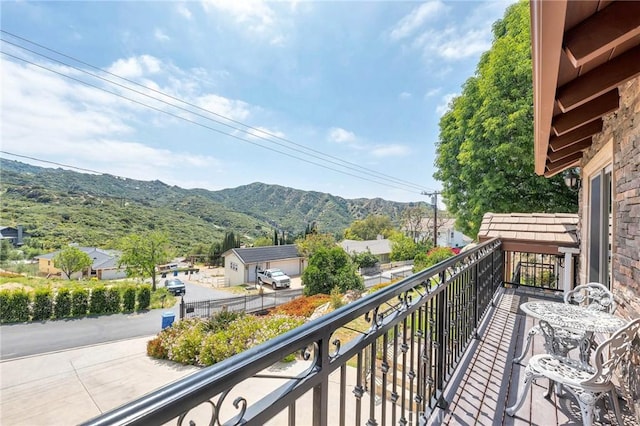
(71, 259)
(311, 243)
(329, 268)
(369, 228)
(484, 155)
(141, 254)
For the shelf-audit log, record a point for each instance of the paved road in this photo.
(18, 340)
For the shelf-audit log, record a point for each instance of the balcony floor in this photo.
(487, 381)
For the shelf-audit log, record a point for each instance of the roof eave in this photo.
(545, 50)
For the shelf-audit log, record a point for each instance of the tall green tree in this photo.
(71, 259)
(311, 243)
(485, 150)
(141, 254)
(330, 268)
(369, 228)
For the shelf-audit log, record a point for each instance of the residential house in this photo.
(242, 264)
(449, 236)
(104, 267)
(586, 81)
(15, 235)
(380, 248)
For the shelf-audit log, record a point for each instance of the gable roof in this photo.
(102, 259)
(376, 247)
(528, 231)
(264, 254)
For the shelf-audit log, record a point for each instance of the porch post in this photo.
(567, 279)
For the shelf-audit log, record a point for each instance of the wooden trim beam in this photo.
(555, 168)
(586, 113)
(602, 32)
(600, 80)
(546, 46)
(556, 143)
(564, 153)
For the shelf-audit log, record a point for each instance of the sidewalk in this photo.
(71, 386)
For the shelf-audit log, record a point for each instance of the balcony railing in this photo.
(384, 359)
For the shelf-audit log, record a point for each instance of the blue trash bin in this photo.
(167, 319)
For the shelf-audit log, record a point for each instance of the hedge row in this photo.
(43, 304)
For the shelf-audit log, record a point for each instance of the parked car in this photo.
(175, 286)
(275, 278)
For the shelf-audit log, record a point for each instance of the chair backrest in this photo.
(617, 346)
(592, 295)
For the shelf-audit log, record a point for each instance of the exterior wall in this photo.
(45, 266)
(111, 274)
(234, 270)
(622, 128)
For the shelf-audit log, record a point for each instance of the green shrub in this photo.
(161, 298)
(113, 300)
(15, 305)
(62, 307)
(221, 320)
(79, 301)
(144, 297)
(129, 298)
(98, 300)
(186, 349)
(5, 305)
(336, 298)
(42, 304)
(433, 257)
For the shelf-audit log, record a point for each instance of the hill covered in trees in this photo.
(57, 207)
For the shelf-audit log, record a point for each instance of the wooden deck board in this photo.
(487, 381)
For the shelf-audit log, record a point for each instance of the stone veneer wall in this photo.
(623, 126)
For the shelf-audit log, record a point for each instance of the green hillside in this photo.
(59, 206)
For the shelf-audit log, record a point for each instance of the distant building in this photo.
(15, 235)
(448, 236)
(241, 264)
(104, 267)
(380, 248)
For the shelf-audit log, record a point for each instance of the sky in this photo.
(341, 97)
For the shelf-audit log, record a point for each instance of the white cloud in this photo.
(454, 43)
(443, 106)
(263, 133)
(230, 108)
(414, 20)
(184, 11)
(404, 95)
(255, 15)
(392, 150)
(433, 92)
(135, 67)
(340, 135)
(160, 35)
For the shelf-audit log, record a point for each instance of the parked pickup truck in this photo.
(275, 278)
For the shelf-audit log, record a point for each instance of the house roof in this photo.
(582, 52)
(376, 247)
(529, 232)
(102, 259)
(265, 254)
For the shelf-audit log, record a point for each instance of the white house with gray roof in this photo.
(241, 264)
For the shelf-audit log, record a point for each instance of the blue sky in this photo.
(362, 82)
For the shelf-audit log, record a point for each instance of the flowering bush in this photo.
(302, 306)
(207, 341)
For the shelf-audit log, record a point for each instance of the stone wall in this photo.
(623, 127)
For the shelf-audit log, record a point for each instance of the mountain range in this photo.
(58, 206)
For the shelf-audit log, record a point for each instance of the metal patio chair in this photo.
(594, 296)
(587, 384)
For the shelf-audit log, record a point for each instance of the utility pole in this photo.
(434, 197)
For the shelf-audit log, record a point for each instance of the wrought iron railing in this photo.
(383, 359)
(534, 270)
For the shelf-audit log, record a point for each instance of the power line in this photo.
(249, 129)
(203, 125)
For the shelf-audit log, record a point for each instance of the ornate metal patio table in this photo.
(575, 318)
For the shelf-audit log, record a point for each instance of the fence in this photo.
(383, 359)
(534, 270)
(248, 303)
